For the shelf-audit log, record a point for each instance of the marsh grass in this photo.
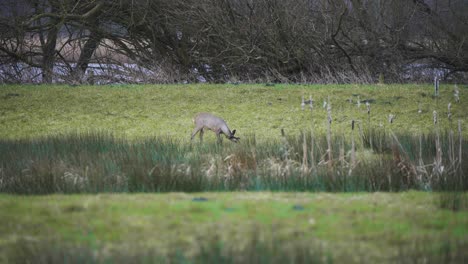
(209, 248)
(210, 251)
(99, 162)
(214, 250)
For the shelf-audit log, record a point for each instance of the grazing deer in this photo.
(213, 123)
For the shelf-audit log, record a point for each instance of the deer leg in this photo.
(218, 135)
(201, 134)
(195, 131)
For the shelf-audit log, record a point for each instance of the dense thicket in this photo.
(235, 40)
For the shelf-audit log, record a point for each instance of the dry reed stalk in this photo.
(402, 160)
(312, 159)
(369, 125)
(381, 138)
(456, 94)
(305, 167)
(341, 156)
(438, 159)
(460, 139)
(421, 162)
(286, 156)
(391, 117)
(329, 150)
(353, 148)
(438, 168)
(361, 134)
(353, 156)
(421, 168)
(451, 145)
(449, 112)
(254, 159)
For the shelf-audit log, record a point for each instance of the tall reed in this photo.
(99, 162)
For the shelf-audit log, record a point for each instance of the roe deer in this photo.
(213, 123)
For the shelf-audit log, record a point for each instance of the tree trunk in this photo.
(48, 59)
(85, 57)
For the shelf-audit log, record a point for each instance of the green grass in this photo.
(142, 111)
(101, 140)
(355, 228)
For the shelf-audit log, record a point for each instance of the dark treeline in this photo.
(338, 41)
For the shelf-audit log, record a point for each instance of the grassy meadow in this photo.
(233, 227)
(105, 174)
(142, 111)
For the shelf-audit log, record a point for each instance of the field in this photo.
(241, 227)
(140, 112)
(109, 174)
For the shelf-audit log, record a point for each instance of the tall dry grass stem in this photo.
(449, 112)
(353, 147)
(305, 167)
(421, 166)
(438, 167)
(456, 94)
(369, 132)
(451, 150)
(312, 152)
(329, 143)
(460, 144)
(391, 117)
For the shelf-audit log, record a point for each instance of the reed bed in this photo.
(96, 162)
(213, 250)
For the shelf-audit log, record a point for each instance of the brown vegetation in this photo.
(241, 40)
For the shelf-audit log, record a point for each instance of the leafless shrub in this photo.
(249, 41)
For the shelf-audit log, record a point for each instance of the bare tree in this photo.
(40, 31)
(247, 40)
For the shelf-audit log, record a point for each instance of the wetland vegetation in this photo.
(110, 174)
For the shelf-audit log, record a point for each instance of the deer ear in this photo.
(233, 132)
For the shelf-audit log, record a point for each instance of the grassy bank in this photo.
(235, 227)
(142, 111)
